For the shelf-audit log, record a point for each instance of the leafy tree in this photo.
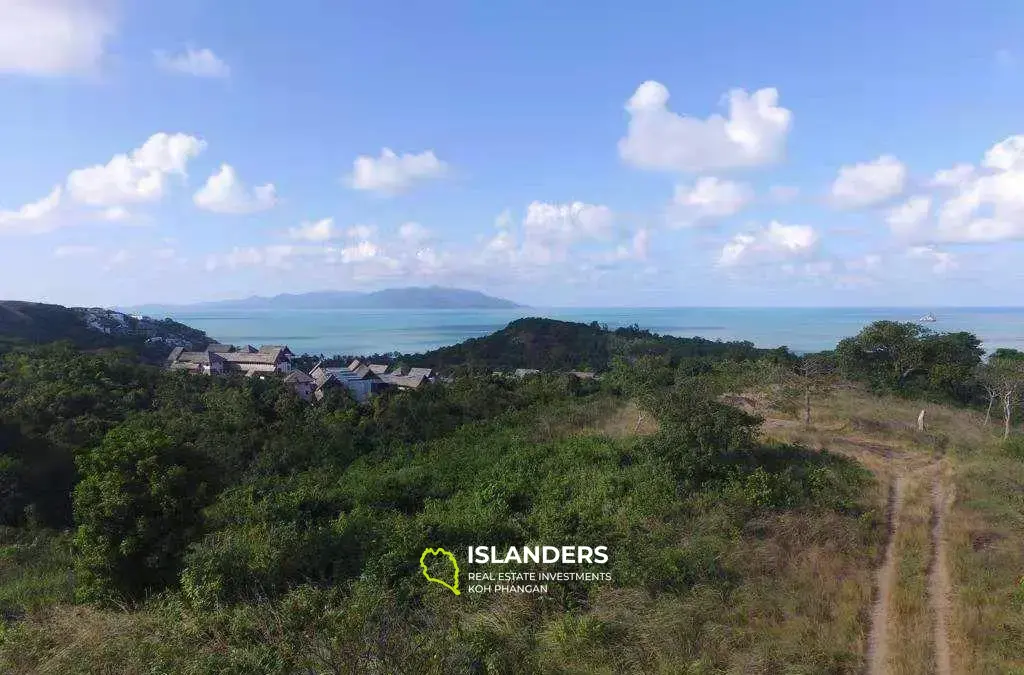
(137, 506)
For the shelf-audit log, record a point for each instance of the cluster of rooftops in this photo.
(362, 380)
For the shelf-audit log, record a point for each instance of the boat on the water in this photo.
(928, 318)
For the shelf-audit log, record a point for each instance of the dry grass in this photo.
(911, 646)
(984, 528)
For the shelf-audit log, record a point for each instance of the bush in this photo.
(138, 507)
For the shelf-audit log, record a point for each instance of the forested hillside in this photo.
(27, 323)
(553, 345)
(153, 521)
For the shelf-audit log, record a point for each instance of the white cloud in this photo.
(869, 262)
(225, 193)
(115, 214)
(777, 242)
(74, 251)
(413, 233)
(197, 62)
(707, 199)
(119, 257)
(953, 177)
(53, 37)
(940, 261)
(753, 134)
(783, 194)
(138, 177)
(987, 207)
(278, 255)
(361, 232)
(360, 252)
(869, 183)
(1007, 155)
(391, 173)
(550, 229)
(906, 219)
(320, 230)
(504, 219)
(34, 218)
(641, 242)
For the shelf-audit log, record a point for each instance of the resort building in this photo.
(218, 358)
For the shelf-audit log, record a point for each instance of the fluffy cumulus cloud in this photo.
(549, 230)
(708, 199)
(906, 219)
(139, 176)
(952, 177)
(869, 183)
(196, 62)
(988, 205)
(54, 37)
(775, 243)
(392, 173)
(33, 218)
(224, 192)
(320, 230)
(754, 132)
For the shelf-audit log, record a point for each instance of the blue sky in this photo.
(793, 153)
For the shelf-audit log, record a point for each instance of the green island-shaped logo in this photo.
(454, 588)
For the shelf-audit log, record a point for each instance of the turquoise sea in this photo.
(378, 331)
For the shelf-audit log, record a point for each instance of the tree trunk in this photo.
(988, 413)
(1007, 410)
(920, 421)
(807, 408)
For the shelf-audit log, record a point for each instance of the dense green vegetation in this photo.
(551, 345)
(248, 531)
(30, 323)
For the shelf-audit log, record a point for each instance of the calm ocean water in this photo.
(378, 331)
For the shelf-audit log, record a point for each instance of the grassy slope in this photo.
(769, 591)
(984, 529)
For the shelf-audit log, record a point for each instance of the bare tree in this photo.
(989, 381)
(798, 385)
(1003, 378)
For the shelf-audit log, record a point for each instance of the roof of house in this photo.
(582, 374)
(424, 372)
(193, 357)
(297, 376)
(218, 347)
(405, 381)
(526, 371)
(175, 353)
(362, 373)
(355, 364)
(378, 368)
(182, 365)
(261, 357)
(328, 380)
(283, 349)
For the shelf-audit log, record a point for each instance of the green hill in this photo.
(28, 323)
(548, 344)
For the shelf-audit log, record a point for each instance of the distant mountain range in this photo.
(432, 297)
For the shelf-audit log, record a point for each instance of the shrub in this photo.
(138, 506)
